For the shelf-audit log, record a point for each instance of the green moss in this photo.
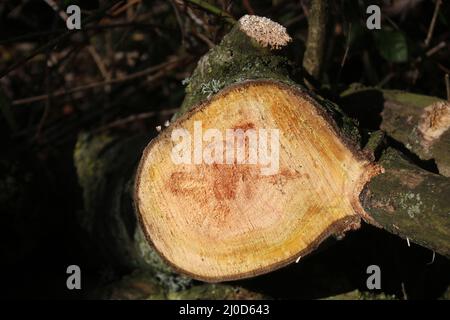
(358, 295)
(402, 97)
(138, 285)
(90, 172)
(401, 113)
(374, 142)
(411, 202)
(236, 59)
(410, 99)
(215, 292)
(239, 58)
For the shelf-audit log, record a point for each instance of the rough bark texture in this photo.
(421, 123)
(410, 202)
(239, 58)
(407, 200)
(236, 59)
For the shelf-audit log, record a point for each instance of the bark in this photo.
(142, 285)
(410, 202)
(236, 59)
(315, 44)
(358, 295)
(421, 123)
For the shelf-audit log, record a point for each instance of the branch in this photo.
(159, 70)
(214, 10)
(317, 28)
(49, 45)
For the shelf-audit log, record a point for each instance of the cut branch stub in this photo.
(423, 125)
(229, 220)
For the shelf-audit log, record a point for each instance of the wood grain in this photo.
(227, 221)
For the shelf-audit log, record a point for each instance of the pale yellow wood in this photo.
(221, 222)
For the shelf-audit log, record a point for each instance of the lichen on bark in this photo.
(237, 58)
(410, 202)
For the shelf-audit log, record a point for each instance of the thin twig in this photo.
(99, 62)
(248, 7)
(392, 22)
(48, 88)
(315, 44)
(204, 38)
(56, 8)
(433, 50)
(179, 21)
(166, 66)
(125, 7)
(91, 49)
(347, 46)
(31, 36)
(433, 23)
(135, 117)
(49, 45)
(213, 9)
(386, 79)
(436, 48)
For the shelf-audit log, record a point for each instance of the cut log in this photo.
(227, 218)
(256, 171)
(422, 126)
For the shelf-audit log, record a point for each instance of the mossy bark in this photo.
(142, 285)
(359, 295)
(410, 202)
(105, 166)
(236, 59)
(399, 114)
(215, 292)
(402, 116)
(239, 58)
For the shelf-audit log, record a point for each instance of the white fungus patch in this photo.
(265, 31)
